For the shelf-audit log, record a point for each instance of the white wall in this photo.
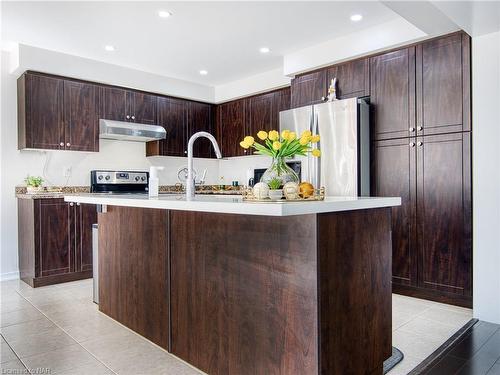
(251, 85)
(486, 176)
(15, 164)
(364, 42)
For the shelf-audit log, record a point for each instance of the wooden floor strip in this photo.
(440, 352)
(473, 350)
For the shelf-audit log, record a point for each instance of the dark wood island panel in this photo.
(133, 270)
(354, 283)
(302, 294)
(245, 294)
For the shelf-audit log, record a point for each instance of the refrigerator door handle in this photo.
(313, 161)
(314, 126)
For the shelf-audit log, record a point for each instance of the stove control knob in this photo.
(107, 177)
(143, 178)
(100, 177)
(136, 178)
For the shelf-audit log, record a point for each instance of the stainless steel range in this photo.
(119, 182)
(113, 182)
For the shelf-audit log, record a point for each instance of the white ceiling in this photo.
(222, 37)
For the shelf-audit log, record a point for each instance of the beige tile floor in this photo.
(59, 330)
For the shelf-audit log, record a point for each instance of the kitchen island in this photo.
(233, 287)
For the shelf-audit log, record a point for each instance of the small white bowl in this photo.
(276, 194)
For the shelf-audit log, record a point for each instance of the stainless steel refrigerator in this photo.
(343, 125)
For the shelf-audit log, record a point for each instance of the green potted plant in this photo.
(275, 191)
(33, 184)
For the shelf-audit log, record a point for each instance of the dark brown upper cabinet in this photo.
(199, 118)
(142, 107)
(444, 216)
(172, 115)
(56, 113)
(181, 119)
(40, 112)
(242, 117)
(81, 117)
(259, 115)
(114, 104)
(308, 88)
(281, 102)
(231, 127)
(392, 94)
(353, 78)
(443, 85)
(393, 175)
(128, 105)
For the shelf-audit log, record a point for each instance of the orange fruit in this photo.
(306, 189)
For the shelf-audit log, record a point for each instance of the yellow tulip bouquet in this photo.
(285, 146)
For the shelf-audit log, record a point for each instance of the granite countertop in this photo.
(61, 191)
(51, 192)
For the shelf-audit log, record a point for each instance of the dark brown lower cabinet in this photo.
(444, 217)
(85, 216)
(393, 175)
(55, 241)
(432, 229)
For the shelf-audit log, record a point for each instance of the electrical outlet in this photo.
(67, 171)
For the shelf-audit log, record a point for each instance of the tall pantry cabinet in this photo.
(421, 135)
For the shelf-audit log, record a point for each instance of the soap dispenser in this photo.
(154, 182)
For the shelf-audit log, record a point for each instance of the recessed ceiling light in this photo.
(264, 50)
(164, 14)
(203, 72)
(356, 17)
(109, 48)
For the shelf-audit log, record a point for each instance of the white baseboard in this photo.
(9, 276)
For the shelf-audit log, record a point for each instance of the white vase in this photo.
(281, 171)
(276, 194)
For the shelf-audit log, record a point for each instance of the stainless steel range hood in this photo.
(130, 131)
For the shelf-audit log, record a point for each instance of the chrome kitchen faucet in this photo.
(190, 180)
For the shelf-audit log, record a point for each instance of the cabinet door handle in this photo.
(420, 128)
(133, 117)
(420, 143)
(128, 117)
(185, 152)
(412, 144)
(411, 130)
(71, 204)
(68, 144)
(78, 204)
(61, 144)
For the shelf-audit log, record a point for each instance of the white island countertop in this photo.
(235, 204)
